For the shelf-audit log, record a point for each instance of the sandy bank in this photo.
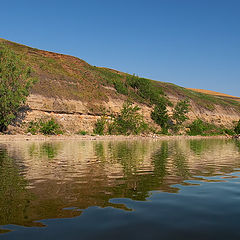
(11, 138)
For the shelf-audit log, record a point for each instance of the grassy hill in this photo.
(218, 94)
(67, 77)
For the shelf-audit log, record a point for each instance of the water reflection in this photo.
(199, 147)
(14, 197)
(180, 162)
(48, 149)
(237, 142)
(159, 158)
(41, 180)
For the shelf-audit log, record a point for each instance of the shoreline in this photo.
(15, 138)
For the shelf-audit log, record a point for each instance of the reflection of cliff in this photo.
(14, 197)
(39, 179)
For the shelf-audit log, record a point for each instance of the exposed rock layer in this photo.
(75, 115)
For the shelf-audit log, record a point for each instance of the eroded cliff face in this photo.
(220, 115)
(76, 93)
(75, 115)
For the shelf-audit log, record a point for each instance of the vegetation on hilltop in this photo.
(203, 100)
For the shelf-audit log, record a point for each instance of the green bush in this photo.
(199, 127)
(237, 128)
(160, 115)
(120, 87)
(82, 132)
(100, 126)
(128, 121)
(180, 114)
(111, 127)
(50, 127)
(33, 128)
(230, 132)
(145, 88)
(46, 127)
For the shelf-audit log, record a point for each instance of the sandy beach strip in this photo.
(12, 138)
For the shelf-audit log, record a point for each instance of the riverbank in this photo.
(12, 138)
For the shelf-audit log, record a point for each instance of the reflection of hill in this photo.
(14, 197)
(39, 179)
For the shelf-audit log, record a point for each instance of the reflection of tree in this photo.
(32, 150)
(237, 142)
(47, 149)
(160, 162)
(180, 163)
(129, 154)
(137, 184)
(198, 146)
(127, 157)
(22, 206)
(14, 198)
(99, 151)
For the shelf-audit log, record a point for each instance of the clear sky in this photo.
(192, 43)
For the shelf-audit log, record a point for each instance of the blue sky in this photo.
(192, 43)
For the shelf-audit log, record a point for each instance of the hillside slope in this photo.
(77, 93)
(218, 94)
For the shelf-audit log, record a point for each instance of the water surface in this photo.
(186, 189)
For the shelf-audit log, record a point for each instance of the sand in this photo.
(11, 138)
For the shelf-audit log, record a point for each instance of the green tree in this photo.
(50, 127)
(237, 128)
(100, 126)
(160, 115)
(128, 121)
(15, 83)
(145, 88)
(180, 113)
(197, 127)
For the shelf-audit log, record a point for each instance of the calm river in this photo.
(177, 189)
